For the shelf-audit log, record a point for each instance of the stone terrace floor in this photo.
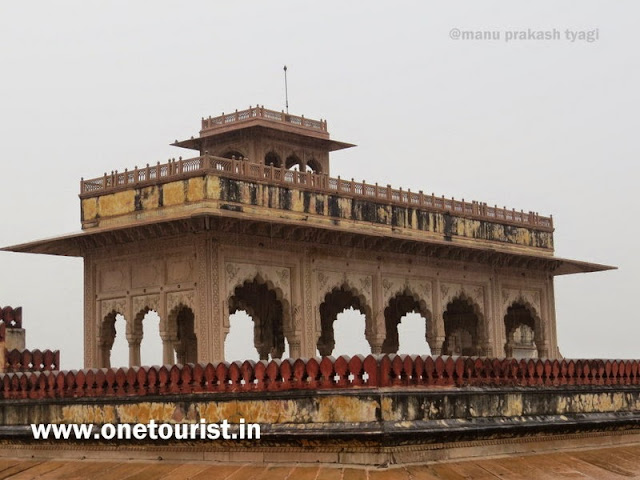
(616, 462)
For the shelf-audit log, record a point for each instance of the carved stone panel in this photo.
(146, 274)
(183, 297)
(361, 284)
(276, 277)
(117, 305)
(113, 278)
(141, 302)
(420, 288)
(451, 291)
(530, 298)
(180, 269)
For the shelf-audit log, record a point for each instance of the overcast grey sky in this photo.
(544, 125)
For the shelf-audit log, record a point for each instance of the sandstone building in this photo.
(257, 222)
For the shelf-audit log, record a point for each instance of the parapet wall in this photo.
(14, 357)
(236, 187)
(376, 409)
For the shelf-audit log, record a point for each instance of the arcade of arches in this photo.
(295, 300)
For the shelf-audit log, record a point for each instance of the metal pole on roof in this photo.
(286, 92)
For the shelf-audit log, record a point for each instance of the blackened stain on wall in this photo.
(334, 206)
(137, 201)
(230, 190)
(306, 201)
(448, 226)
(285, 198)
(253, 193)
(363, 210)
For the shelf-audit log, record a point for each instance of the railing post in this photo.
(104, 181)
(388, 192)
(135, 175)
(158, 170)
(421, 198)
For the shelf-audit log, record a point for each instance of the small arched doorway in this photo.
(406, 329)
(262, 305)
(461, 327)
(343, 320)
(523, 336)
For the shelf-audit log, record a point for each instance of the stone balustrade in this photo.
(386, 371)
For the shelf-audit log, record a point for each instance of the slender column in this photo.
(206, 322)
(294, 349)
(167, 349)
(91, 347)
(378, 333)
(134, 350)
(216, 306)
(310, 315)
(438, 320)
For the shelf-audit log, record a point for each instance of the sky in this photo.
(457, 98)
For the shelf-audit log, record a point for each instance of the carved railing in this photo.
(223, 120)
(387, 371)
(12, 317)
(32, 360)
(246, 170)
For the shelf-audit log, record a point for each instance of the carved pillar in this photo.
(206, 301)
(379, 331)
(91, 348)
(167, 349)
(294, 349)
(310, 315)
(550, 308)
(217, 308)
(134, 350)
(438, 319)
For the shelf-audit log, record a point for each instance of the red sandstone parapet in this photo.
(325, 373)
(12, 317)
(32, 360)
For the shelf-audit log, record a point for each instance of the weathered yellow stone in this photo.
(150, 198)
(118, 203)
(173, 193)
(213, 187)
(89, 208)
(195, 189)
(346, 409)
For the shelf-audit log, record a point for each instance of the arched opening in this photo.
(461, 328)
(520, 327)
(314, 166)
(347, 335)
(183, 339)
(239, 343)
(113, 341)
(272, 159)
(233, 154)
(293, 163)
(150, 342)
(406, 325)
(262, 305)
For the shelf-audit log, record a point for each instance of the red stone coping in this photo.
(12, 317)
(32, 360)
(317, 374)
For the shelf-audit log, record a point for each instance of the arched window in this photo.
(233, 154)
(272, 159)
(293, 163)
(314, 166)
